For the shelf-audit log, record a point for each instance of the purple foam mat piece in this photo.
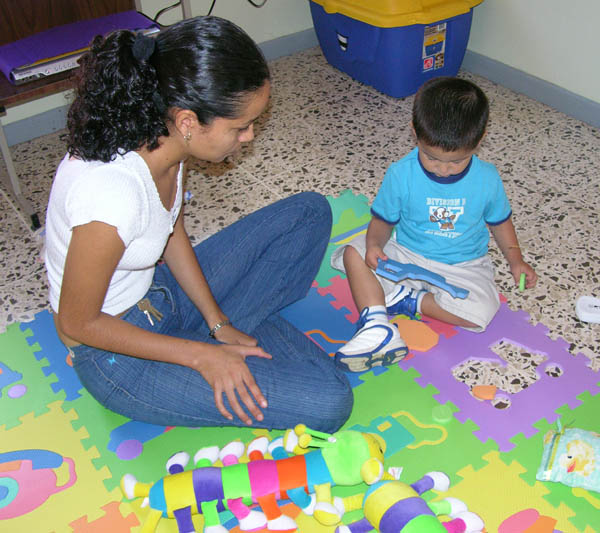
(539, 400)
(66, 39)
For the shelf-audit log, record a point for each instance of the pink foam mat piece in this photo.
(539, 400)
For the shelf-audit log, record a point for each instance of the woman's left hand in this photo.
(231, 335)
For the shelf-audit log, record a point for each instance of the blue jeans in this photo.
(254, 267)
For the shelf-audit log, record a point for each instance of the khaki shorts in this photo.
(477, 276)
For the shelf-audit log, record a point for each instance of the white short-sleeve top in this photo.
(123, 194)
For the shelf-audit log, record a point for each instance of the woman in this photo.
(196, 341)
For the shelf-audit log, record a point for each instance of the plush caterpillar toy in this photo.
(396, 507)
(344, 458)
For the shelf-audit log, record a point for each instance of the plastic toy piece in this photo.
(442, 414)
(395, 271)
(522, 281)
(588, 309)
(484, 392)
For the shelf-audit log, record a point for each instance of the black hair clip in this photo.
(143, 47)
(159, 102)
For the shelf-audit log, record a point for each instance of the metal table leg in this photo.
(14, 182)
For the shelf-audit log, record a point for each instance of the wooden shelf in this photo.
(12, 95)
(21, 18)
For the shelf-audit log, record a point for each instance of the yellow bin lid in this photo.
(392, 13)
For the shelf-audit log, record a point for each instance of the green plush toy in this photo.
(349, 458)
(344, 458)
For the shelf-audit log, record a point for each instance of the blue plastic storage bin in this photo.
(396, 60)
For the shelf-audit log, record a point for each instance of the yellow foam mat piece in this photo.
(495, 502)
(53, 432)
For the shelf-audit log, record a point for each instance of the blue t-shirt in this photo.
(443, 219)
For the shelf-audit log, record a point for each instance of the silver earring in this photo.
(187, 137)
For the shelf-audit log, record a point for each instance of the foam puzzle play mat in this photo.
(500, 424)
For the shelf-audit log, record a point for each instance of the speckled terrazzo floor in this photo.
(326, 132)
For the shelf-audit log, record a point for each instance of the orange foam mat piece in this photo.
(416, 334)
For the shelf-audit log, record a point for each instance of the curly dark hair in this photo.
(205, 64)
(450, 113)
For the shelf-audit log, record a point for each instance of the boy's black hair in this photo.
(450, 113)
(205, 64)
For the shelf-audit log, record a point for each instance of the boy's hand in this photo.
(521, 267)
(372, 256)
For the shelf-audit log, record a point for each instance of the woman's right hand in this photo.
(225, 370)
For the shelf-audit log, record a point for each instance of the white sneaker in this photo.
(377, 342)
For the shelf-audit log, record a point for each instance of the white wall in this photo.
(275, 19)
(555, 40)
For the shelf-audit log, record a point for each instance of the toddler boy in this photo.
(440, 199)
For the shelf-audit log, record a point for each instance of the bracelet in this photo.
(514, 246)
(218, 326)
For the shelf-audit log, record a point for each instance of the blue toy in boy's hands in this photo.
(395, 271)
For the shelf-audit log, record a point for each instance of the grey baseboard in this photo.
(36, 126)
(289, 44)
(543, 91)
